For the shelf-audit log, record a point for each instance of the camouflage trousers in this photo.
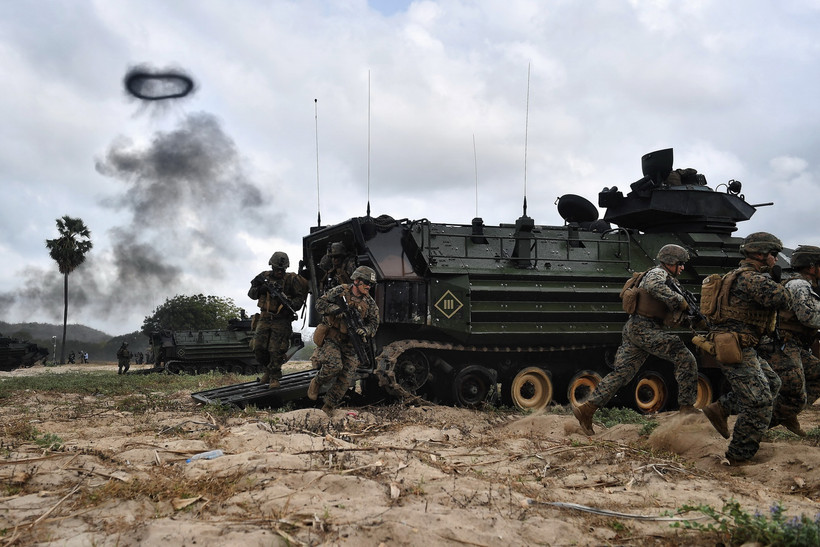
(270, 343)
(337, 363)
(123, 365)
(785, 360)
(811, 371)
(643, 337)
(753, 388)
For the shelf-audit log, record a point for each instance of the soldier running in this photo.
(644, 334)
(335, 355)
(123, 359)
(750, 299)
(790, 356)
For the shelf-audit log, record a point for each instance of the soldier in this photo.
(335, 356)
(644, 335)
(791, 356)
(749, 300)
(337, 266)
(123, 359)
(272, 325)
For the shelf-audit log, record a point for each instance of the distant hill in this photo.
(44, 331)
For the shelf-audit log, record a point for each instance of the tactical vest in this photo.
(269, 303)
(750, 313)
(789, 323)
(643, 303)
(336, 322)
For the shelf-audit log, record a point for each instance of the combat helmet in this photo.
(337, 249)
(365, 274)
(805, 256)
(761, 242)
(673, 255)
(279, 261)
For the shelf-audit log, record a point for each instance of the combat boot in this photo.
(274, 383)
(793, 425)
(327, 409)
(265, 379)
(584, 415)
(313, 389)
(688, 409)
(715, 414)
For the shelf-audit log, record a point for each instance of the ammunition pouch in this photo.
(629, 300)
(704, 344)
(319, 334)
(727, 348)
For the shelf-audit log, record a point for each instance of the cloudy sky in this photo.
(423, 108)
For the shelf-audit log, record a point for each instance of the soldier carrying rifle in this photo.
(279, 295)
(658, 301)
(350, 318)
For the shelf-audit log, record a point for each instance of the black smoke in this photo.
(186, 198)
(150, 84)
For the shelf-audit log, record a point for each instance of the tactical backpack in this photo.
(714, 293)
(629, 292)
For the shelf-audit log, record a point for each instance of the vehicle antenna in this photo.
(318, 204)
(526, 133)
(368, 142)
(475, 160)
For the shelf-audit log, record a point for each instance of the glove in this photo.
(333, 310)
(361, 332)
(258, 280)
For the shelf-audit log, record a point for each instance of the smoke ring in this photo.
(158, 86)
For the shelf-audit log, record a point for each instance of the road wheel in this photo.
(581, 386)
(473, 385)
(705, 391)
(531, 389)
(412, 370)
(651, 394)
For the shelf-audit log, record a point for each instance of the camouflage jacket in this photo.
(803, 318)
(330, 310)
(336, 275)
(294, 287)
(754, 298)
(655, 282)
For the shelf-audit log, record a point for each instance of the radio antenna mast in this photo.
(368, 142)
(318, 203)
(526, 133)
(475, 160)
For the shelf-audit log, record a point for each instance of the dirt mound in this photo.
(371, 476)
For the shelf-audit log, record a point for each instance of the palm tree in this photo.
(69, 251)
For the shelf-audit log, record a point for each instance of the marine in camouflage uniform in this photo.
(749, 311)
(790, 354)
(644, 334)
(335, 355)
(272, 325)
(123, 359)
(337, 266)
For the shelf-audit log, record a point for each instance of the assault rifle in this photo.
(363, 346)
(276, 291)
(693, 309)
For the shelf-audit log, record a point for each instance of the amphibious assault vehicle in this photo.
(16, 353)
(526, 311)
(203, 351)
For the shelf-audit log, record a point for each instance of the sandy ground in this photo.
(389, 475)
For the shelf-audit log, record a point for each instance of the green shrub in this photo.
(734, 525)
